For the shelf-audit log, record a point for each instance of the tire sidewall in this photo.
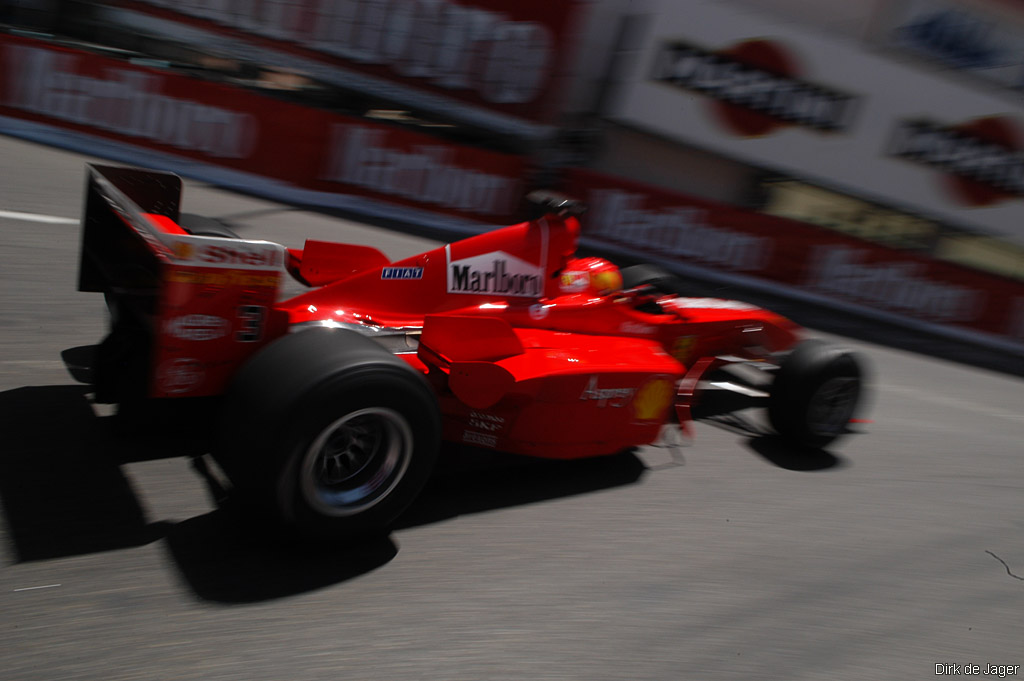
(800, 378)
(366, 386)
(287, 393)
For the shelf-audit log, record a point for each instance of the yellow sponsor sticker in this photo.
(682, 348)
(653, 399)
(228, 278)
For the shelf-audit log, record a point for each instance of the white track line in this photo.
(35, 217)
(953, 402)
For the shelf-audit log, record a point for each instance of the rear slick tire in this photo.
(329, 433)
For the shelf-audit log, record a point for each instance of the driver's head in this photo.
(596, 276)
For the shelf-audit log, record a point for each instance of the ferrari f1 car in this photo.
(332, 405)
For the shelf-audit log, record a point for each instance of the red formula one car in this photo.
(333, 404)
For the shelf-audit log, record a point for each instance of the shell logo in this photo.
(653, 399)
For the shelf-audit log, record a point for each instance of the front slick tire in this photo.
(330, 433)
(816, 392)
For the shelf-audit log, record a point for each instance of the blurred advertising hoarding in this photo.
(495, 61)
(675, 227)
(980, 40)
(829, 110)
(230, 127)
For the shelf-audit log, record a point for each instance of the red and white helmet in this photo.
(596, 276)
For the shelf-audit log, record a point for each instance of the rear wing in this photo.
(186, 309)
(121, 250)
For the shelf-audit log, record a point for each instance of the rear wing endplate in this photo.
(198, 304)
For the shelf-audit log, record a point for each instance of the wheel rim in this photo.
(832, 405)
(356, 461)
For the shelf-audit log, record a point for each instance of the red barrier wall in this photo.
(691, 230)
(231, 127)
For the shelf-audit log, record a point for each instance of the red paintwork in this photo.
(529, 349)
(564, 373)
(208, 318)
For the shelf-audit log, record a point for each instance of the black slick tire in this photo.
(816, 391)
(329, 433)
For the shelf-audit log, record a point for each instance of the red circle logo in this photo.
(998, 131)
(763, 55)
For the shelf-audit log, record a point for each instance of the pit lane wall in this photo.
(233, 137)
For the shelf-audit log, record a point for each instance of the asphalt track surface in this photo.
(733, 558)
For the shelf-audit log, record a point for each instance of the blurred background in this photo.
(865, 155)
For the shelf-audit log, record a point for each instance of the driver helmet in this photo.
(596, 276)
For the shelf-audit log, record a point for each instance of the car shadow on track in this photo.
(777, 452)
(61, 485)
(774, 449)
(469, 480)
(226, 556)
(64, 493)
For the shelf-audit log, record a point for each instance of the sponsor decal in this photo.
(755, 85)
(181, 375)
(682, 348)
(482, 439)
(653, 399)
(682, 231)
(252, 320)
(126, 101)
(238, 254)
(900, 286)
(197, 327)
(573, 281)
(496, 273)
(610, 397)
(401, 273)
(638, 328)
(538, 312)
(983, 159)
(426, 173)
(491, 423)
(221, 278)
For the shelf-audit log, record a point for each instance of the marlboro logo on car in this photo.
(496, 273)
